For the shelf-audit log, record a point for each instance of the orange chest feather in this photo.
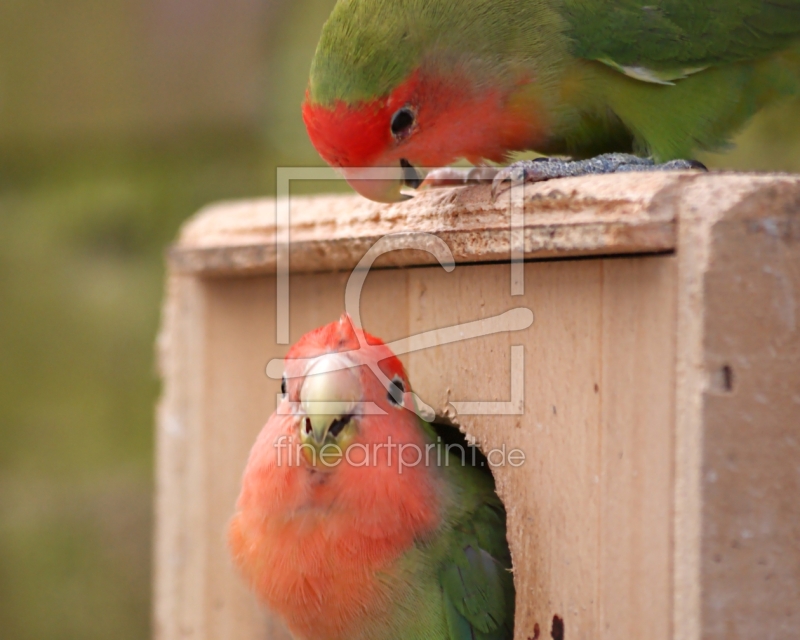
(312, 544)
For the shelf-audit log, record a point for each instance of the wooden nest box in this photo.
(655, 394)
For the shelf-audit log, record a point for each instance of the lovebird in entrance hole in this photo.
(355, 520)
(421, 83)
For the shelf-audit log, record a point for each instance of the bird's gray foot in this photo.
(542, 169)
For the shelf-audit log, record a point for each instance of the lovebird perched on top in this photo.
(355, 521)
(422, 83)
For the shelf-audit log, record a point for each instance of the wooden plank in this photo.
(637, 413)
(738, 539)
(597, 215)
(590, 536)
(237, 398)
(552, 524)
(179, 552)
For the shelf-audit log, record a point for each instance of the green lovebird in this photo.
(357, 520)
(421, 83)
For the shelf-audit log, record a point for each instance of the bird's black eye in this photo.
(337, 425)
(396, 391)
(403, 122)
(283, 385)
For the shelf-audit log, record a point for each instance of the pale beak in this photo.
(383, 184)
(330, 393)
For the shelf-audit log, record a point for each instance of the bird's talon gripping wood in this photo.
(541, 169)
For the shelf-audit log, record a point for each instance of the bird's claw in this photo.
(519, 172)
(541, 169)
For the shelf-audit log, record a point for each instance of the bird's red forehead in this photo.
(356, 135)
(342, 336)
(348, 135)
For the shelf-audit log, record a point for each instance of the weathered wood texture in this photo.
(590, 216)
(660, 494)
(737, 531)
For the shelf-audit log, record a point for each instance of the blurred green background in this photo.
(118, 119)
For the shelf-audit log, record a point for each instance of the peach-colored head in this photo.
(324, 501)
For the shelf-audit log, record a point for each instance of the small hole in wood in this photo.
(557, 631)
(727, 378)
(722, 380)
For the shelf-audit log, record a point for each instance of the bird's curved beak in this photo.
(383, 184)
(330, 393)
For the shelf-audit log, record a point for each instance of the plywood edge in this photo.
(762, 202)
(178, 558)
(593, 215)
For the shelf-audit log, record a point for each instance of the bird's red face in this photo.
(427, 121)
(346, 388)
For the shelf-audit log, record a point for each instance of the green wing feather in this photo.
(725, 60)
(680, 35)
(477, 585)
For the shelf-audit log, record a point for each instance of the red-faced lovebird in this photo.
(355, 521)
(422, 83)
